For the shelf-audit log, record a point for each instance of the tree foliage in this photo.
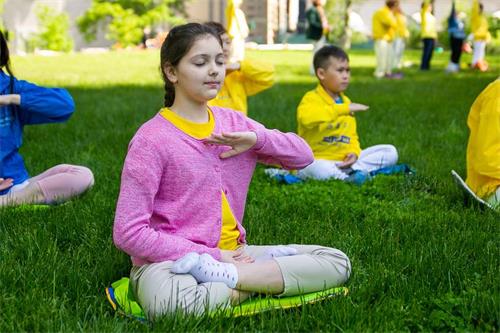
(54, 30)
(337, 12)
(125, 19)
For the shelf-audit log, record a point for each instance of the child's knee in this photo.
(391, 154)
(87, 177)
(343, 264)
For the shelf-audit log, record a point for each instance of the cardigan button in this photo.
(217, 169)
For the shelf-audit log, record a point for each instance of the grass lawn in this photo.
(421, 259)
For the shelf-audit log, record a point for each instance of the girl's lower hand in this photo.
(6, 183)
(237, 256)
(238, 141)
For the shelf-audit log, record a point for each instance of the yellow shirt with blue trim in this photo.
(384, 24)
(327, 126)
(483, 149)
(479, 23)
(229, 232)
(252, 77)
(428, 23)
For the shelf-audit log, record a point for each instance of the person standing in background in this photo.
(237, 29)
(402, 34)
(479, 28)
(384, 29)
(317, 27)
(457, 35)
(428, 34)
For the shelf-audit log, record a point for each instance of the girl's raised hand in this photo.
(5, 183)
(238, 141)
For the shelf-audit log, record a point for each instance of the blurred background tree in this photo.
(125, 20)
(337, 12)
(54, 31)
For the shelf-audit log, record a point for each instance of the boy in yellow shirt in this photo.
(325, 118)
(243, 78)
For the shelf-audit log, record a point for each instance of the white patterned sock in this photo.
(210, 270)
(184, 264)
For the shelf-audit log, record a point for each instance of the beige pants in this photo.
(159, 291)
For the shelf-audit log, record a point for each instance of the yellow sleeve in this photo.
(388, 19)
(257, 76)
(487, 146)
(312, 111)
(423, 17)
(475, 18)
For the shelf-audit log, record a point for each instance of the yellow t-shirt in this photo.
(229, 233)
(327, 126)
(483, 149)
(428, 27)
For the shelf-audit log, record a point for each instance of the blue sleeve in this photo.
(43, 105)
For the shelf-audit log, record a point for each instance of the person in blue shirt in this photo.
(24, 103)
(457, 36)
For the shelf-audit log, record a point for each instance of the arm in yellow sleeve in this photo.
(487, 148)
(475, 15)
(423, 15)
(257, 76)
(388, 19)
(312, 111)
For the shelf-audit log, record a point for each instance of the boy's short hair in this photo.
(322, 56)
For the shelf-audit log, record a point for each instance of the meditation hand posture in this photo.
(483, 149)
(244, 78)
(183, 189)
(325, 118)
(24, 103)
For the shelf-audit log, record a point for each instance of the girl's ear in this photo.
(170, 73)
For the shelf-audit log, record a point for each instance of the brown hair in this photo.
(177, 44)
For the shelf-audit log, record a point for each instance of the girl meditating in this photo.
(183, 189)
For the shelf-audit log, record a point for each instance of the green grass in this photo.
(421, 259)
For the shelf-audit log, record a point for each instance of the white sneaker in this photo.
(466, 189)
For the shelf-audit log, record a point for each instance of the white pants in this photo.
(479, 50)
(317, 45)
(384, 54)
(398, 50)
(370, 159)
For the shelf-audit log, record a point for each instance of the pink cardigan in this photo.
(170, 200)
